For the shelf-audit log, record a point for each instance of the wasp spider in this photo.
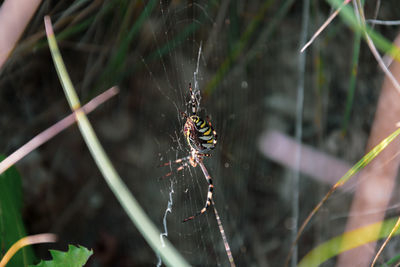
(201, 138)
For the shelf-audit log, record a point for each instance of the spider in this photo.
(201, 138)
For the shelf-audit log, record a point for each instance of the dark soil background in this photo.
(151, 57)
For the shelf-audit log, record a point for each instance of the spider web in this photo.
(232, 103)
(247, 77)
(246, 74)
(183, 193)
(241, 58)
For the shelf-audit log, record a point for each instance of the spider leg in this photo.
(209, 192)
(184, 162)
(175, 161)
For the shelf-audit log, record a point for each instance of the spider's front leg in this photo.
(184, 164)
(209, 192)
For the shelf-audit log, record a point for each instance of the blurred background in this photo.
(248, 77)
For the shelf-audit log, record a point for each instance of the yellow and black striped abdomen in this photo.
(199, 134)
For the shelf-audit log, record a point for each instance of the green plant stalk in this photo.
(168, 253)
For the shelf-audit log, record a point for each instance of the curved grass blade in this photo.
(364, 161)
(146, 227)
(392, 232)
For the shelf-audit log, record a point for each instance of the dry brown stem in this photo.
(378, 177)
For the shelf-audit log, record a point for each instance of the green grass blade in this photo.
(146, 227)
(368, 158)
(350, 173)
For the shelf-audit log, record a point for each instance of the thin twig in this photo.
(55, 129)
(394, 229)
(382, 64)
(326, 23)
(307, 220)
(383, 22)
(377, 7)
(299, 126)
(374, 51)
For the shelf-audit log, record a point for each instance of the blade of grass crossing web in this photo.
(350, 173)
(146, 227)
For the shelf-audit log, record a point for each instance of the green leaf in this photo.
(11, 225)
(74, 257)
